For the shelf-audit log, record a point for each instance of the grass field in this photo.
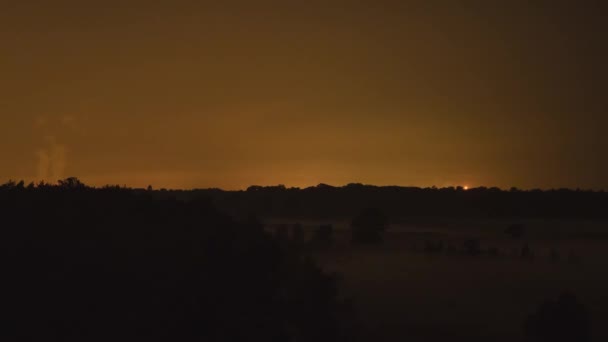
(404, 293)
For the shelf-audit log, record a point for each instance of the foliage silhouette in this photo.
(561, 320)
(323, 236)
(299, 237)
(493, 252)
(472, 247)
(282, 233)
(368, 226)
(88, 264)
(554, 255)
(324, 201)
(71, 183)
(516, 231)
(526, 252)
(433, 247)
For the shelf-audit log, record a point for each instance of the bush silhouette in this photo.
(526, 252)
(433, 247)
(493, 251)
(282, 233)
(554, 255)
(324, 235)
(472, 247)
(516, 231)
(298, 235)
(71, 183)
(561, 320)
(368, 226)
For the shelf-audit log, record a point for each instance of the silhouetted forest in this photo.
(84, 264)
(97, 264)
(324, 201)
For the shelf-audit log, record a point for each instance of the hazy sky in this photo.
(232, 93)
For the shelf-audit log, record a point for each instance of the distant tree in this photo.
(323, 236)
(255, 188)
(554, 254)
(282, 233)
(516, 231)
(472, 247)
(324, 186)
(561, 320)
(71, 183)
(10, 184)
(428, 246)
(433, 247)
(368, 226)
(573, 257)
(254, 222)
(493, 251)
(298, 236)
(526, 252)
(450, 248)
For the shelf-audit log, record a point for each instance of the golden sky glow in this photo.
(212, 94)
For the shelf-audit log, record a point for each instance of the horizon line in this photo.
(462, 187)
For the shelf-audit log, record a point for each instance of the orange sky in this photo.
(208, 94)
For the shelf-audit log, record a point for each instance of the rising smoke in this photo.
(52, 161)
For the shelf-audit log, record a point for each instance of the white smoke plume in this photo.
(52, 161)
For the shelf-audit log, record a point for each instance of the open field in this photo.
(403, 292)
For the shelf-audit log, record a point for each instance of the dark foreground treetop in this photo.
(83, 264)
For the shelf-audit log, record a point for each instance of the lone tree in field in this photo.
(368, 226)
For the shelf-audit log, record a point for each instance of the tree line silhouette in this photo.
(324, 201)
(112, 263)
